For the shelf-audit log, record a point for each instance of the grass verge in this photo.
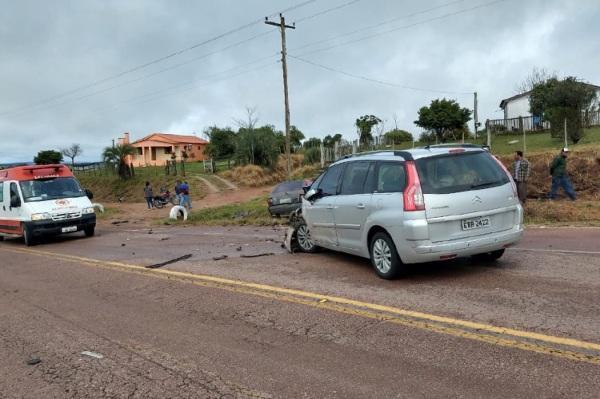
(253, 212)
(563, 213)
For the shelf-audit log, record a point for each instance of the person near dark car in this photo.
(560, 177)
(149, 195)
(521, 175)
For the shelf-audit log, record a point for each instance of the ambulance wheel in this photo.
(89, 231)
(28, 237)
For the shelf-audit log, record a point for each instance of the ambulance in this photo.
(43, 200)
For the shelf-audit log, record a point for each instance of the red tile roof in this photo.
(172, 139)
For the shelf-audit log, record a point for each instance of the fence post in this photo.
(566, 143)
(322, 155)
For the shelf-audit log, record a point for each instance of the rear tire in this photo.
(158, 204)
(90, 231)
(384, 257)
(305, 242)
(489, 256)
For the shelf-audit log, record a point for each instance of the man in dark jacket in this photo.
(560, 178)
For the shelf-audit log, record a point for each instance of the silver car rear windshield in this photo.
(453, 173)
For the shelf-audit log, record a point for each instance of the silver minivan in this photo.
(421, 205)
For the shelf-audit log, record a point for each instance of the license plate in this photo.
(69, 229)
(475, 223)
(285, 201)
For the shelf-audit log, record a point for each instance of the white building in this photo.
(518, 105)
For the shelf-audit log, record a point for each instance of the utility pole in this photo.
(476, 122)
(565, 128)
(282, 26)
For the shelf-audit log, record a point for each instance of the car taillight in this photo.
(512, 181)
(413, 195)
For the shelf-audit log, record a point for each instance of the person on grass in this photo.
(521, 175)
(560, 177)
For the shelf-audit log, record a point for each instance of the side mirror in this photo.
(312, 194)
(88, 193)
(15, 201)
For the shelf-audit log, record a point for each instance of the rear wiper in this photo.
(484, 184)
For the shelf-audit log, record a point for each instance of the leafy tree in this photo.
(222, 142)
(445, 118)
(313, 142)
(48, 157)
(557, 100)
(329, 141)
(259, 146)
(397, 136)
(364, 126)
(118, 155)
(312, 155)
(296, 137)
(72, 152)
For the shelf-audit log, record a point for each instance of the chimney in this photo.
(126, 138)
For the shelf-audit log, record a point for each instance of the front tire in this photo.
(384, 257)
(90, 231)
(28, 237)
(305, 242)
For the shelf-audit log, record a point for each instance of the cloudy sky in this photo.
(86, 71)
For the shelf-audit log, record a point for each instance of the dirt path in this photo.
(210, 186)
(229, 184)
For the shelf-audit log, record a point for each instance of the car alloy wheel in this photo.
(303, 237)
(382, 255)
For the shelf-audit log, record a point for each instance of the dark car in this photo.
(286, 197)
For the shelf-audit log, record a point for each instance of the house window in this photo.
(167, 150)
(188, 147)
(139, 150)
(199, 147)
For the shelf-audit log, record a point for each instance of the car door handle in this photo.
(360, 206)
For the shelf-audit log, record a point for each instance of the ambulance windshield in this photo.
(50, 189)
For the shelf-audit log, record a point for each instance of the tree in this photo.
(222, 142)
(260, 146)
(536, 77)
(118, 155)
(72, 152)
(559, 100)
(364, 126)
(296, 137)
(397, 136)
(329, 141)
(445, 118)
(48, 157)
(313, 142)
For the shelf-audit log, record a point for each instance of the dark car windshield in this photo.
(50, 189)
(460, 172)
(295, 185)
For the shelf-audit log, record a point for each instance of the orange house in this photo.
(158, 148)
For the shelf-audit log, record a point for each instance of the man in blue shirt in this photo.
(184, 190)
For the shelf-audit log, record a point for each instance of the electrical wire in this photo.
(339, 7)
(155, 61)
(444, 16)
(381, 82)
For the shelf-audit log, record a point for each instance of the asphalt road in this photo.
(294, 326)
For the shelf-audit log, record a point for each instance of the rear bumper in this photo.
(426, 251)
(284, 209)
(50, 227)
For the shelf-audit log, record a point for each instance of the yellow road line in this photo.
(390, 314)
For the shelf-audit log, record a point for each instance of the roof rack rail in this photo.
(404, 154)
(455, 145)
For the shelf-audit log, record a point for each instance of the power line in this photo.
(157, 60)
(344, 5)
(204, 56)
(462, 11)
(381, 82)
(379, 24)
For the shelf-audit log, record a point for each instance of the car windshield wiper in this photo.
(484, 184)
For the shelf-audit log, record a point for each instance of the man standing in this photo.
(149, 195)
(178, 191)
(558, 171)
(185, 195)
(521, 175)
